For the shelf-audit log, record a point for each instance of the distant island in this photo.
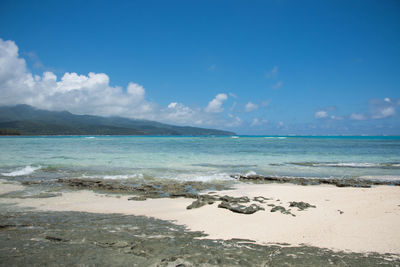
(27, 120)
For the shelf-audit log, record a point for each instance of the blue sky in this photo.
(255, 67)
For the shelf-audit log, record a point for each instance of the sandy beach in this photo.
(344, 219)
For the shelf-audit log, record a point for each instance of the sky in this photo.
(253, 67)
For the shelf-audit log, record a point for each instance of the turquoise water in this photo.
(197, 158)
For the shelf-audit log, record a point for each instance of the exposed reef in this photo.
(188, 189)
(339, 182)
(30, 238)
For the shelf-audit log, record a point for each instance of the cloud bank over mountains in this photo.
(93, 94)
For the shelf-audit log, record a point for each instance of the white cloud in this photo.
(93, 94)
(320, 114)
(136, 90)
(215, 105)
(384, 113)
(338, 118)
(235, 121)
(250, 107)
(257, 122)
(357, 117)
(81, 94)
(381, 109)
(232, 95)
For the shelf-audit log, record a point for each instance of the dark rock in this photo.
(340, 211)
(202, 200)
(137, 198)
(196, 204)
(261, 199)
(235, 199)
(234, 207)
(56, 239)
(301, 205)
(282, 210)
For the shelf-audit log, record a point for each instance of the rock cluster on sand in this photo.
(235, 207)
(227, 202)
(301, 205)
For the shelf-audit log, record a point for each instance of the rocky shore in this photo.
(29, 238)
(261, 222)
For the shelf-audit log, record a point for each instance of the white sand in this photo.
(370, 222)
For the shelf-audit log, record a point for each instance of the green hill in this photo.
(27, 120)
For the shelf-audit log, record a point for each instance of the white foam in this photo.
(90, 137)
(121, 177)
(209, 177)
(235, 137)
(275, 137)
(356, 164)
(250, 173)
(381, 177)
(114, 177)
(25, 171)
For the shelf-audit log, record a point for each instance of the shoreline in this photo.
(344, 219)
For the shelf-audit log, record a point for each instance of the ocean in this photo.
(210, 159)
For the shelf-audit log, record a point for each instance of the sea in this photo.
(207, 159)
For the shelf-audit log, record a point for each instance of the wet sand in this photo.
(350, 219)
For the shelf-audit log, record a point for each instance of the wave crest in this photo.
(25, 171)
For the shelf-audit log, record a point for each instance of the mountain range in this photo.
(27, 120)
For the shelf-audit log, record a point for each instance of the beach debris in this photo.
(301, 205)
(237, 208)
(340, 211)
(282, 210)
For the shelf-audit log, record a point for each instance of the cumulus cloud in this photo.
(320, 114)
(82, 94)
(93, 94)
(381, 109)
(235, 121)
(250, 107)
(257, 122)
(357, 117)
(215, 105)
(232, 95)
(384, 113)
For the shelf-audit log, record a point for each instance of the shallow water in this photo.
(197, 158)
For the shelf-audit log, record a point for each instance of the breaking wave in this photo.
(350, 164)
(25, 171)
